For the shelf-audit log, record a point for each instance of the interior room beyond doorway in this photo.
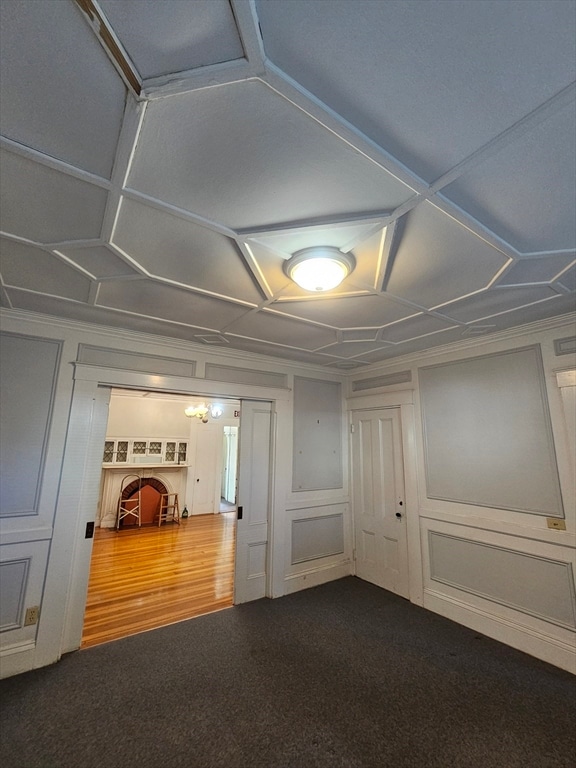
(148, 575)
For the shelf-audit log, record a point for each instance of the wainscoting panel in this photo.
(535, 585)
(315, 537)
(26, 403)
(318, 540)
(13, 582)
(22, 568)
(256, 559)
(487, 433)
(135, 361)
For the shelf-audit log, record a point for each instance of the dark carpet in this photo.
(344, 675)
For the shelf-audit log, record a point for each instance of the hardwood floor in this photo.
(145, 578)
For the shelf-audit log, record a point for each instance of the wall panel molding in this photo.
(565, 346)
(26, 407)
(90, 354)
(532, 584)
(385, 380)
(236, 375)
(13, 583)
(317, 537)
(487, 433)
(317, 435)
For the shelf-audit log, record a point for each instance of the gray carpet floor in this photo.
(344, 675)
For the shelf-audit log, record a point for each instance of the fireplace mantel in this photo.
(173, 476)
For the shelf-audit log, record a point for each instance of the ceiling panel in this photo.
(438, 259)
(99, 261)
(282, 330)
(429, 81)
(176, 249)
(63, 96)
(414, 327)
(418, 344)
(276, 165)
(353, 348)
(369, 254)
(24, 266)
(278, 350)
(160, 40)
(550, 307)
(99, 316)
(535, 270)
(44, 205)
(492, 302)
(348, 312)
(270, 266)
(342, 236)
(146, 297)
(526, 192)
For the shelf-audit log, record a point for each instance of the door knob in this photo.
(398, 515)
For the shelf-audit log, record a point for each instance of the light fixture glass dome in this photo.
(319, 268)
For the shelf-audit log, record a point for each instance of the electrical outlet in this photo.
(554, 522)
(31, 616)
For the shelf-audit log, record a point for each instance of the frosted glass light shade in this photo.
(319, 269)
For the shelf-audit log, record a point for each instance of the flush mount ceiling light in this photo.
(320, 268)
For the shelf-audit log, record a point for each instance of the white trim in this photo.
(549, 649)
(53, 163)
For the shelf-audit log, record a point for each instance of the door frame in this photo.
(404, 400)
(69, 543)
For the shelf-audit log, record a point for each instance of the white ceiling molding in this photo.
(449, 180)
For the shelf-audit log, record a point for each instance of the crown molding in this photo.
(168, 343)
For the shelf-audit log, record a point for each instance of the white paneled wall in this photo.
(57, 380)
(494, 566)
(494, 511)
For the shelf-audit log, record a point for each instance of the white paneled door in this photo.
(204, 476)
(253, 501)
(378, 497)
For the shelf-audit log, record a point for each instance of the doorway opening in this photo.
(149, 575)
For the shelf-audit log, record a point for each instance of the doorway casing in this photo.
(83, 457)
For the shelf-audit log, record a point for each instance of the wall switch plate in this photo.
(31, 616)
(554, 522)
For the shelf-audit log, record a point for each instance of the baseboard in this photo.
(313, 577)
(16, 659)
(543, 647)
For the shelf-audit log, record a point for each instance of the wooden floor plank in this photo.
(143, 578)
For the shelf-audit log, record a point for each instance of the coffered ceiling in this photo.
(160, 161)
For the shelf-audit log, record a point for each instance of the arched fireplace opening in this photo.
(151, 490)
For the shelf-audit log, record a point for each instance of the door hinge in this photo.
(352, 428)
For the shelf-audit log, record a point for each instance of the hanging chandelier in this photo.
(202, 411)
